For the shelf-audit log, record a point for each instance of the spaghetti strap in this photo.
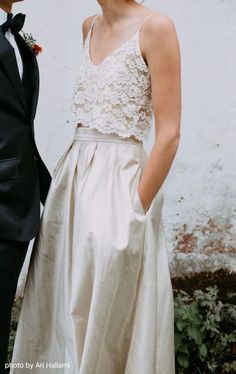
(93, 22)
(96, 16)
(87, 39)
(145, 18)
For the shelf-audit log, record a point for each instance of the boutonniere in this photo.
(32, 43)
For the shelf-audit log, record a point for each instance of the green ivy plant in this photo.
(205, 329)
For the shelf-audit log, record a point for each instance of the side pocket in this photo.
(9, 169)
(157, 200)
(137, 199)
(61, 160)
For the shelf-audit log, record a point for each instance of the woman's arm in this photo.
(161, 51)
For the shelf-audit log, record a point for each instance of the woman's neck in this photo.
(114, 10)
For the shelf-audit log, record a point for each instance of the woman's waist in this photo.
(94, 132)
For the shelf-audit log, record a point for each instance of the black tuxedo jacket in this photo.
(24, 179)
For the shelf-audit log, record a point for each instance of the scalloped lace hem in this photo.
(112, 131)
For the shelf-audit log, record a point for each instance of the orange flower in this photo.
(37, 49)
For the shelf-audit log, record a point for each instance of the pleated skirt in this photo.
(98, 296)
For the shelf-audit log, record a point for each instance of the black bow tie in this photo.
(15, 24)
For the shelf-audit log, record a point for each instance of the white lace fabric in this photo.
(114, 96)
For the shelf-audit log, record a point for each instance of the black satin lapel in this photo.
(9, 63)
(36, 89)
(32, 66)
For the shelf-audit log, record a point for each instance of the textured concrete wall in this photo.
(200, 190)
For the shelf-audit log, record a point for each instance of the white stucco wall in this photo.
(201, 184)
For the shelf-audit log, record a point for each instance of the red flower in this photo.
(37, 49)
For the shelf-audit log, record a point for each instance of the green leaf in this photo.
(183, 360)
(203, 350)
(180, 325)
(184, 348)
(178, 340)
(193, 307)
(195, 334)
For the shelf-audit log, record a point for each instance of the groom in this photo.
(24, 179)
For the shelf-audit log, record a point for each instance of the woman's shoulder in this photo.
(86, 24)
(158, 32)
(158, 22)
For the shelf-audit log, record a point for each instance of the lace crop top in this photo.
(114, 96)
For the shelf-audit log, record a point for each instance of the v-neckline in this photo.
(110, 54)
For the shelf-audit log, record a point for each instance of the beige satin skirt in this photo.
(98, 297)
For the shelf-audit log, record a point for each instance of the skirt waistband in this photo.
(90, 134)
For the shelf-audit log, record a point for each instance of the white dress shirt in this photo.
(11, 39)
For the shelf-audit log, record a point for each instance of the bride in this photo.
(98, 297)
